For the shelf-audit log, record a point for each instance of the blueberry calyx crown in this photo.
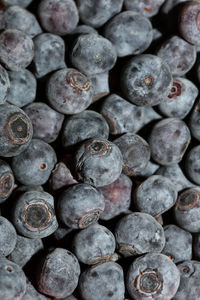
(78, 81)
(149, 282)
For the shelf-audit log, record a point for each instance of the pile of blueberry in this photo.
(99, 149)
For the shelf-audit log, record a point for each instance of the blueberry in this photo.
(100, 84)
(135, 152)
(117, 197)
(146, 8)
(97, 12)
(16, 49)
(178, 54)
(22, 89)
(58, 16)
(93, 54)
(102, 282)
(23, 3)
(61, 177)
(194, 122)
(31, 293)
(139, 233)
(19, 18)
(7, 181)
(69, 91)
(154, 276)
(94, 244)
(4, 85)
(15, 130)
(46, 121)
(33, 214)
(80, 206)
(12, 280)
(126, 41)
(192, 164)
(48, 45)
(8, 237)
(146, 80)
(24, 249)
(169, 140)
(59, 273)
(98, 162)
(85, 125)
(34, 165)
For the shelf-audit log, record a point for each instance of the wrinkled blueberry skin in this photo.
(98, 162)
(69, 91)
(153, 276)
(93, 54)
(194, 122)
(8, 237)
(7, 181)
(59, 273)
(123, 116)
(34, 165)
(94, 244)
(4, 85)
(48, 45)
(178, 54)
(31, 293)
(187, 210)
(80, 206)
(16, 49)
(135, 152)
(100, 84)
(12, 280)
(61, 177)
(180, 100)
(176, 175)
(178, 244)
(33, 214)
(92, 282)
(15, 130)
(139, 233)
(46, 121)
(126, 41)
(192, 164)
(24, 249)
(97, 12)
(22, 89)
(85, 125)
(155, 195)
(58, 16)
(22, 3)
(189, 283)
(145, 8)
(117, 197)
(146, 80)
(19, 18)
(169, 140)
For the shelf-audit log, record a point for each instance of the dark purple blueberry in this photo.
(4, 85)
(153, 276)
(69, 91)
(93, 245)
(22, 3)
(117, 197)
(7, 181)
(61, 177)
(80, 206)
(139, 233)
(34, 165)
(97, 12)
(12, 280)
(16, 49)
(59, 273)
(102, 282)
(98, 162)
(15, 130)
(178, 54)
(33, 214)
(187, 210)
(147, 8)
(194, 122)
(31, 293)
(146, 80)
(58, 16)
(126, 41)
(135, 152)
(46, 121)
(93, 54)
(169, 140)
(24, 249)
(178, 244)
(180, 99)
(8, 237)
(47, 45)
(85, 125)
(155, 195)
(100, 84)
(192, 164)
(22, 89)
(19, 18)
